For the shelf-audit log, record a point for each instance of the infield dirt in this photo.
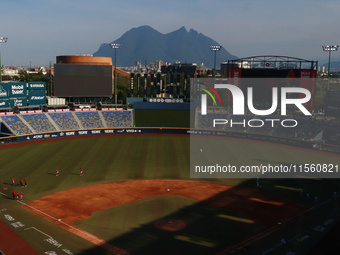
(79, 203)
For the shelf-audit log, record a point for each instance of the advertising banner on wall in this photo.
(152, 80)
(158, 86)
(132, 76)
(145, 83)
(37, 85)
(17, 89)
(3, 90)
(138, 84)
(4, 104)
(37, 97)
(18, 102)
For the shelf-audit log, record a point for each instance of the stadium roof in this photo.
(272, 61)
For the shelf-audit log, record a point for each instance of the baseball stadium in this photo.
(118, 181)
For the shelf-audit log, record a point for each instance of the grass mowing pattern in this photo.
(131, 226)
(124, 218)
(119, 158)
(103, 159)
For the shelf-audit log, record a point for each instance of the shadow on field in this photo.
(228, 218)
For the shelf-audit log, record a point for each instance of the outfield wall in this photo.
(169, 131)
(94, 132)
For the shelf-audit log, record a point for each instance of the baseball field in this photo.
(136, 197)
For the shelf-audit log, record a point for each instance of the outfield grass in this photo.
(103, 159)
(121, 158)
(248, 153)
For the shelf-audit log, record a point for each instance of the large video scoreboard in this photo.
(72, 80)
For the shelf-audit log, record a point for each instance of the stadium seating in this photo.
(39, 122)
(16, 124)
(118, 119)
(64, 120)
(307, 129)
(90, 119)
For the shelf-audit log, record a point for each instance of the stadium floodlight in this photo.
(2, 40)
(115, 46)
(330, 48)
(215, 48)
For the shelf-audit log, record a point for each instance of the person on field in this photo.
(25, 182)
(18, 195)
(81, 171)
(21, 196)
(57, 173)
(13, 181)
(21, 184)
(13, 194)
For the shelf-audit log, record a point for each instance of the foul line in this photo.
(75, 229)
(39, 232)
(270, 230)
(3, 194)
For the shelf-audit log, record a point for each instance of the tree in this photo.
(25, 76)
(123, 84)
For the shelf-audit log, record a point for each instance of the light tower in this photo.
(330, 48)
(215, 48)
(2, 40)
(115, 46)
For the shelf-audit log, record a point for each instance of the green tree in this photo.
(35, 77)
(123, 85)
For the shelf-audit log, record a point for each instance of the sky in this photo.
(40, 30)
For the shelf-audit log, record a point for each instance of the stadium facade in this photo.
(271, 67)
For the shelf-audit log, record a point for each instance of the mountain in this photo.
(334, 65)
(147, 44)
